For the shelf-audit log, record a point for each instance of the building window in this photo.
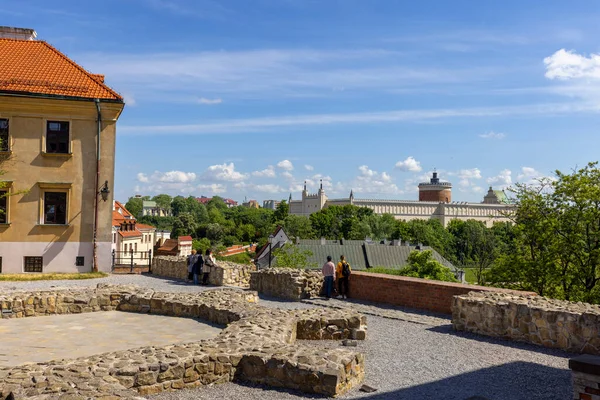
(4, 138)
(79, 261)
(114, 238)
(55, 208)
(33, 264)
(57, 137)
(3, 206)
(136, 247)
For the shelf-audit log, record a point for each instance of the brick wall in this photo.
(417, 293)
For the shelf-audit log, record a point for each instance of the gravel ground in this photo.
(159, 284)
(413, 361)
(404, 360)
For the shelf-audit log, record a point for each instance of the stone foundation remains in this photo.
(225, 274)
(570, 326)
(257, 346)
(287, 283)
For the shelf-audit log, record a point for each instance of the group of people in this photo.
(199, 267)
(340, 273)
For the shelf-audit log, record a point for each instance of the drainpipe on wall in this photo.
(95, 248)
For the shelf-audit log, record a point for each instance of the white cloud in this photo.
(410, 164)
(530, 175)
(214, 188)
(265, 123)
(503, 179)
(373, 182)
(167, 177)
(268, 172)
(287, 175)
(566, 64)
(176, 177)
(268, 73)
(309, 167)
(285, 165)
(269, 188)
(143, 178)
(206, 101)
(466, 177)
(223, 172)
(492, 135)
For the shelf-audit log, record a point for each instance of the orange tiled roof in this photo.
(117, 218)
(185, 238)
(30, 66)
(135, 233)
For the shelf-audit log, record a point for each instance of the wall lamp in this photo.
(104, 191)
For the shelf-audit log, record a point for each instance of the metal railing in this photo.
(132, 259)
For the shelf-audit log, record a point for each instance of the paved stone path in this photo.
(78, 335)
(384, 311)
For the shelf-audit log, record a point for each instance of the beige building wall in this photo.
(32, 172)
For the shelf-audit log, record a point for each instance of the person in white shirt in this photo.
(209, 262)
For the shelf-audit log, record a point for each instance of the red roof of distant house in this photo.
(35, 67)
(169, 247)
(185, 238)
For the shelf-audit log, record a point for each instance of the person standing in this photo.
(343, 272)
(197, 268)
(329, 276)
(209, 262)
(190, 262)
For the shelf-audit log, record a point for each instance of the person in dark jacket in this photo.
(197, 268)
(190, 261)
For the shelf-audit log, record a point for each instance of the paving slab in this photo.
(47, 338)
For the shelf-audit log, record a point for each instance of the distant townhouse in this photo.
(132, 242)
(182, 247)
(58, 127)
(150, 208)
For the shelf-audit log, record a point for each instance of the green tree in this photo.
(298, 226)
(281, 212)
(135, 206)
(179, 205)
(201, 245)
(215, 232)
(246, 232)
(290, 256)
(475, 246)
(421, 264)
(216, 202)
(184, 225)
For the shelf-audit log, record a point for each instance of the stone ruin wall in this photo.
(257, 346)
(287, 283)
(224, 274)
(570, 326)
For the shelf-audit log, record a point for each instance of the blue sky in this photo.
(251, 98)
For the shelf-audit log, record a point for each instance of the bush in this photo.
(242, 258)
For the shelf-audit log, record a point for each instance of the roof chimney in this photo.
(7, 32)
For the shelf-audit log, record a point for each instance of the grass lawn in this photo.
(51, 276)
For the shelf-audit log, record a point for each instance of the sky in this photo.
(250, 98)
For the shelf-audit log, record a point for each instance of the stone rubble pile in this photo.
(258, 345)
(571, 326)
(226, 273)
(287, 283)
